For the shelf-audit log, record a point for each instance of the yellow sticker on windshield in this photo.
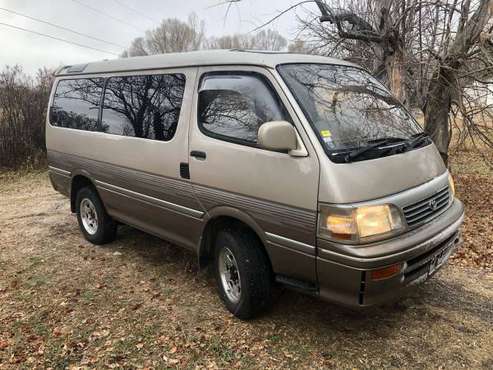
(325, 133)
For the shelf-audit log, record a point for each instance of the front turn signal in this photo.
(386, 272)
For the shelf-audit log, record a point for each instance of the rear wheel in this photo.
(96, 225)
(243, 273)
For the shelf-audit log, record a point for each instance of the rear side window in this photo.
(232, 107)
(143, 106)
(76, 104)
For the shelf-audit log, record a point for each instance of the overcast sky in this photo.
(33, 51)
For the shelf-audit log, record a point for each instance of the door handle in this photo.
(198, 154)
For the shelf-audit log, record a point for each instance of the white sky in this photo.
(32, 51)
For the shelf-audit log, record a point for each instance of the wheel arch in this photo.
(220, 217)
(79, 180)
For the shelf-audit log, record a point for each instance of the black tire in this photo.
(254, 271)
(105, 231)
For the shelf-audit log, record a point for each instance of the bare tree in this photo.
(429, 53)
(171, 36)
(263, 40)
(462, 48)
(371, 32)
(22, 116)
(269, 40)
(299, 47)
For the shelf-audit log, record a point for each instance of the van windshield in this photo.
(352, 112)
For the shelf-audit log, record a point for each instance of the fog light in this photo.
(386, 272)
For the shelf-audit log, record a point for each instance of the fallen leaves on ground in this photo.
(140, 302)
(474, 184)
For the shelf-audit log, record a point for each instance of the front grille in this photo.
(420, 212)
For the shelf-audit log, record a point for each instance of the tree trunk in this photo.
(394, 65)
(393, 54)
(444, 85)
(436, 111)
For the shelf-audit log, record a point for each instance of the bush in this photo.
(23, 106)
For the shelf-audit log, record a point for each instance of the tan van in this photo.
(271, 167)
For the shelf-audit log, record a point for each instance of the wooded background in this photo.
(435, 56)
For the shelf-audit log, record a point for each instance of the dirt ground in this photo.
(140, 302)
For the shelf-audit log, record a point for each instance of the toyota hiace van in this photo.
(272, 167)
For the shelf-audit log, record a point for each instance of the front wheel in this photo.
(243, 273)
(96, 225)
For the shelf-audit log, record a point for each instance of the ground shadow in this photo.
(449, 295)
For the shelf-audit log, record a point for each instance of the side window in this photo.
(233, 106)
(76, 104)
(143, 106)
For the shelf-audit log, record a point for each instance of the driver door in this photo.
(229, 169)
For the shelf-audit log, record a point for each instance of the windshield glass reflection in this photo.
(347, 107)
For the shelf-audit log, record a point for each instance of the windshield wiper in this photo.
(375, 144)
(417, 140)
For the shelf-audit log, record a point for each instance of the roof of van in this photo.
(197, 58)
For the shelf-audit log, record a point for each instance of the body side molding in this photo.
(290, 243)
(59, 171)
(139, 196)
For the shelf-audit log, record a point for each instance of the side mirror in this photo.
(278, 135)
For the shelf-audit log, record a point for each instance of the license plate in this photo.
(435, 262)
(438, 260)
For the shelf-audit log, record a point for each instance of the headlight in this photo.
(451, 184)
(361, 224)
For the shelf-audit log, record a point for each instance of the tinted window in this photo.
(76, 104)
(347, 106)
(235, 106)
(143, 106)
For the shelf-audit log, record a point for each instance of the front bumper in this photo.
(344, 271)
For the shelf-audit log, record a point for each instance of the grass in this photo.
(66, 303)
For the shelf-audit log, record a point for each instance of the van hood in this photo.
(377, 178)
